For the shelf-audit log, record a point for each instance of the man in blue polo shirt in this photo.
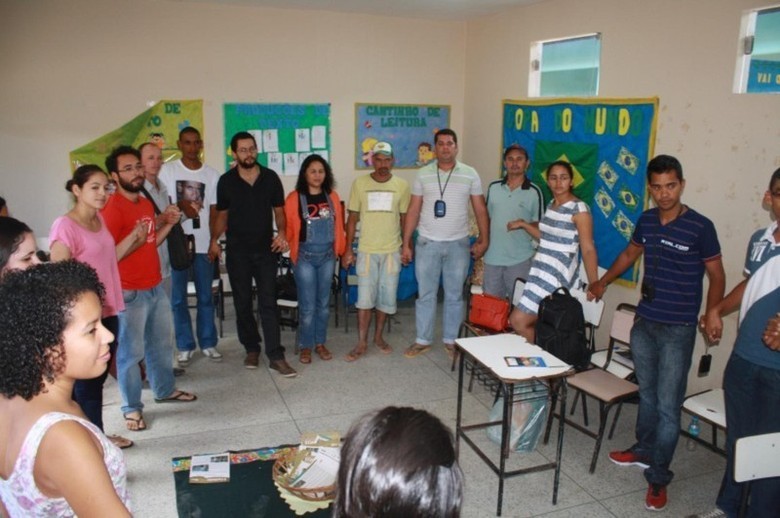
(510, 201)
(751, 381)
(680, 245)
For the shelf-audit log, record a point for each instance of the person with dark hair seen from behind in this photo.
(679, 245)
(565, 232)
(249, 198)
(398, 461)
(81, 234)
(53, 461)
(17, 246)
(315, 232)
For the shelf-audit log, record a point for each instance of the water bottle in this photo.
(693, 431)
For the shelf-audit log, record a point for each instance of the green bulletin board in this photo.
(285, 133)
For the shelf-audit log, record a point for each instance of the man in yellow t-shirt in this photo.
(379, 202)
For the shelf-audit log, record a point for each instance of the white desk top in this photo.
(491, 350)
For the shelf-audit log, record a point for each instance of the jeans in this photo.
(662, 358)
(144, 334)
(203, 275)
(450, 261)
(752, 395)
(313, 278)
(89, 393)
(242, 267)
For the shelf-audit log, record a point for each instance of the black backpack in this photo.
(560, 329)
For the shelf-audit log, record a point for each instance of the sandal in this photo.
(354, 354)
(135, 424)
(450, 348)
(178, 396)
(119, 441)
(305, 356)
(323, 352)
(384, 347)
(416, 349)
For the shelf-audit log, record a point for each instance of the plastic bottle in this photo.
(693, 431)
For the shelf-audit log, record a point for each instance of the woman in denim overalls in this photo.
(315, 232)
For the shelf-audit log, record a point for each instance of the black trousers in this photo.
(242, 268)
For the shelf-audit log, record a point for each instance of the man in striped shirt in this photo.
(680, 245)
(440, 201)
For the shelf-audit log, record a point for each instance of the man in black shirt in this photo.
(249, 198)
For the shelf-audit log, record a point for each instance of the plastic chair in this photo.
(470, 329)
(608, 389)
(710, 407)
(616, 358)
(755, 457)
(288, 307)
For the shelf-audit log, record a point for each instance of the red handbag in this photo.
(489, 312)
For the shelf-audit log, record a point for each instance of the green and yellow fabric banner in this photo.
(159, 124)
(608, 142)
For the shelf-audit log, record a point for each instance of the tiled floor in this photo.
(239, 409)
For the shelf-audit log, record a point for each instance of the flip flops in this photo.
(416, 349)
(178, 396)
(135, 424)
(354, 354)
(384, 348)
(119, 441)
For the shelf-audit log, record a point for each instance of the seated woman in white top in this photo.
(53, 461)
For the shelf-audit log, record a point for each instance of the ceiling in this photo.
(438, 9)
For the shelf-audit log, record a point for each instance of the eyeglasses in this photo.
(131, 168)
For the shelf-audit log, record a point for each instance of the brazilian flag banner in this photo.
(160, 124)
(608, 142)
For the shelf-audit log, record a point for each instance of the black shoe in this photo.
(178, 372)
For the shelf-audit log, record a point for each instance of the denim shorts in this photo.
(378, 281)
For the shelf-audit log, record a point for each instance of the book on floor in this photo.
(209, 469)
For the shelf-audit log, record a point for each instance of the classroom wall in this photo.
(72, 70)
(684, 52)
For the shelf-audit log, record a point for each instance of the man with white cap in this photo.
(379, 202)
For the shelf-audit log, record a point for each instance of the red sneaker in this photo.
(656, 497)
(629, 458)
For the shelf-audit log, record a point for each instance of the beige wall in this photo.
(75, 69)
(684, 52)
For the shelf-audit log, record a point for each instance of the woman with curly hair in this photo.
(315, 231)
(53, 461)
(17, 246)
(81, 234)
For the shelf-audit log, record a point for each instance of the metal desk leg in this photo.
(459, 415)
(506, 426)
(559, 449)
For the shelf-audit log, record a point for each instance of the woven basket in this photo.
(281, 473)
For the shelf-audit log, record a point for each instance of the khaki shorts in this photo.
(378, 281)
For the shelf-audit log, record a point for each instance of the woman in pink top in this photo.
(53, 462)
(82, 235)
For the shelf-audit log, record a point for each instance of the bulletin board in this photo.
(285, 133)
(409, 128)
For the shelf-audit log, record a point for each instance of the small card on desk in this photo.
(210, 469)
(525, 361)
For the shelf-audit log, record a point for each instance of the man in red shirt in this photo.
(145, 326)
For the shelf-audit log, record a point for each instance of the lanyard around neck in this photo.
(438, 177)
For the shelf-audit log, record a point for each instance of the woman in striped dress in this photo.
(565, 231)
